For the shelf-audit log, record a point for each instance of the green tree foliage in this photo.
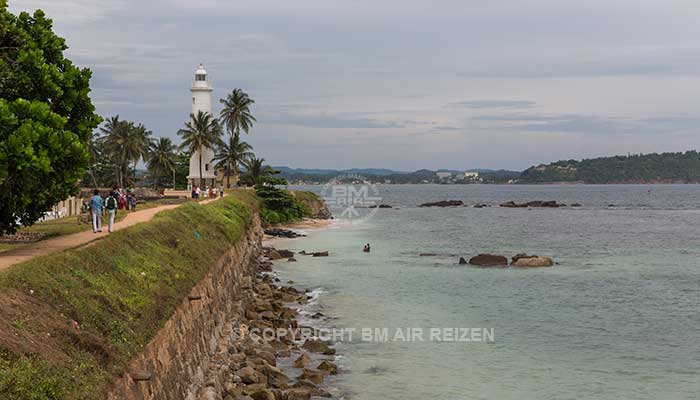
(279, 206)
(46, 119)
(201, 131)
(258, 174)
(637, 168)
(124, 144)
(161, 161)
(231, 155)
(235, 114)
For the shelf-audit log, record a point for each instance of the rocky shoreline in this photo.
(270, 356)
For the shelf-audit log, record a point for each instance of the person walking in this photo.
(221, 190)
(132, 202)
(111, 205)
(96, 210)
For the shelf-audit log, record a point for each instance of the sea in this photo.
(618, 316)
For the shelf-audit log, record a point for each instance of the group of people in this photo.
(118, 199)
(210, 192)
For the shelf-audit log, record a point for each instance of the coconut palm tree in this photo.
(161, 159)
(202, 131)
(142, 144)
(236, 116)
(257, 173)
(232, 154)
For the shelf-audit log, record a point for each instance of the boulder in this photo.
(297, 393)
(248, 375)
(302, 361)
(318, 346)
(263, 394)
(328, 367)
(273, 254)
(285, 253)
(488, 260)
(427, 254)
(512, 204)
(292, 259)
(534, 204)
(315, 377)
(481, 205)
(462, 261)
(576, 205)
(444, 203)
(532, 261)
(320, 254)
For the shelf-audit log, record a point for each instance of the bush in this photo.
(280, 206)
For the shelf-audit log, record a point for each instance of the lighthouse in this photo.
(201, 101)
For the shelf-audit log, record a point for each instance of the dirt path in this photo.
(24, 253)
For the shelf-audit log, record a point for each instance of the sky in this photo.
(404, 84)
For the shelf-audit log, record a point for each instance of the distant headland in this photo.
(653, 168)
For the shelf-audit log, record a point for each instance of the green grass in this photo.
(120, 290)
(69, 225)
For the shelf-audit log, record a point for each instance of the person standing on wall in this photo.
(96, 210)
(111, 205)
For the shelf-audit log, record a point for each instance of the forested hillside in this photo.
(639, 168)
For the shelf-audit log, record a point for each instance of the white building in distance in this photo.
(201, 101)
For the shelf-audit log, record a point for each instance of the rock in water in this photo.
(318, 346)
(320, 254)
(444, 203)
(302, 361)
(522, 260)
(315, 377)
(286, 253)
(462, 261)
(328, 367)
(488, 260)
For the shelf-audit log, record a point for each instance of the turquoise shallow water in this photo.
(619, 318)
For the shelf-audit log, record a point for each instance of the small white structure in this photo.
(444, 175)
(201, 101)
(468, 175)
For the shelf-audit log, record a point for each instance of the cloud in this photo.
(591, 124)
(510, 104)
(327, 121)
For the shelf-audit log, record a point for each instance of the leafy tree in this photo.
(182, 168)
(161, 160)
(124, 144)
(46, 119)
(202, 131)
(236, 117)
(231, 155)
(258, 174)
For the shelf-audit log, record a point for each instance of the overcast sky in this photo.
(404, 84)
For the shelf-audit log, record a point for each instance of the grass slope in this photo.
(71, 321)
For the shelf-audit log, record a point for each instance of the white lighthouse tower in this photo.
(201, 101)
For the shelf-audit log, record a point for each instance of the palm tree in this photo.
(231, 155)
(161, 159)
(257, 172)
(94, 148)
(201, 132)
(236, 116)
(142, 142)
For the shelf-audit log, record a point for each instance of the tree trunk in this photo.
(173, 178)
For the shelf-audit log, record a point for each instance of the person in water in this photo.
(367, 248)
